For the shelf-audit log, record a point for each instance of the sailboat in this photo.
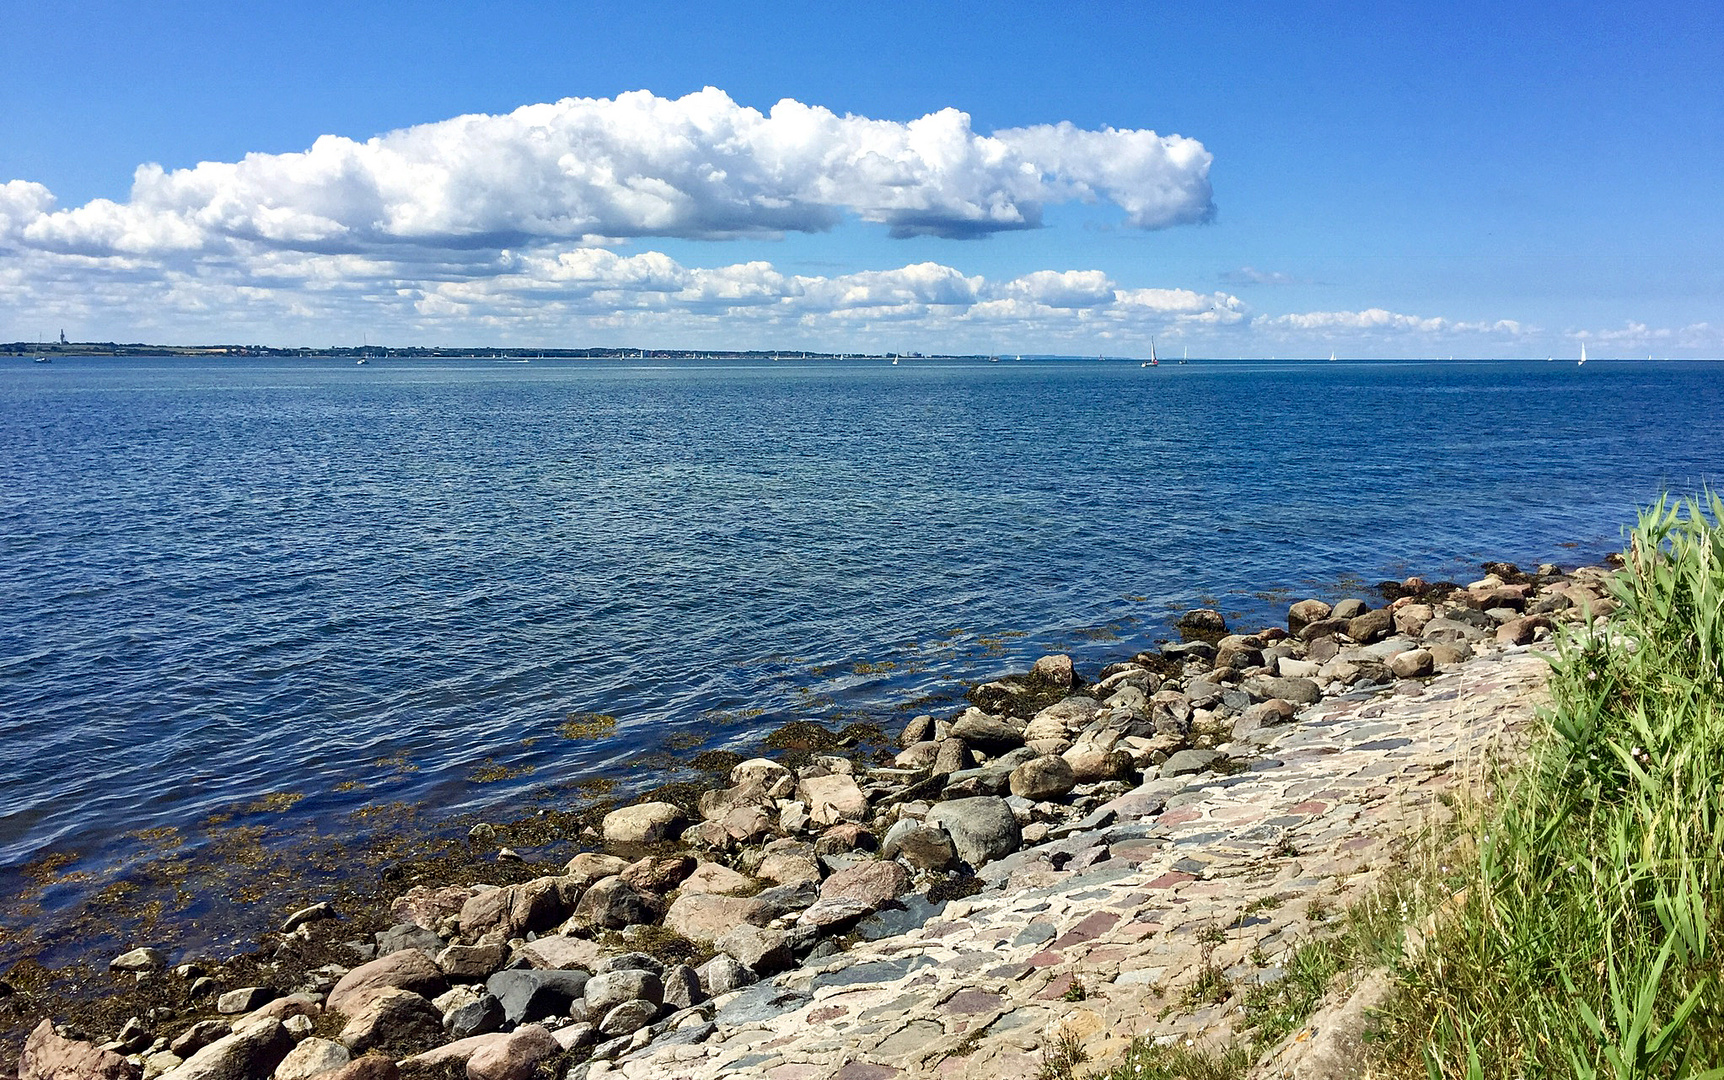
(1153, 362)
(1331, 356)
(1186, 355)
(1582, 359)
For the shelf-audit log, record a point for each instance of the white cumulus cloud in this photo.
(699, 166)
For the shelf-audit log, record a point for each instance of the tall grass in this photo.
(1584, 937)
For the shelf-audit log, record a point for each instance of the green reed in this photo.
(1583, 936)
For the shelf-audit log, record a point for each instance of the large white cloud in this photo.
(699, 166)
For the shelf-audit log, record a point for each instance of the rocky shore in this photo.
(1075, 856)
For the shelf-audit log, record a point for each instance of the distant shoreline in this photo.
(29, 350)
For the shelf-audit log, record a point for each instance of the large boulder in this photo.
(470, 963)
(427, 906)
(252, 1052)
(591, 866)
(313, 1057)
(832, 799)
(645, 823)
(657, 873)
(1049, 777)
(1072, 713)
(515, 909)
(1055, 669)
(1371, 626)
(724, 973)
(706, 917)
(1304, 613)
(981, 828)
(925, 847)
(985, 731)
(761, 950)
(368, 1067)
(48, 1056)
(716, 878)
(1412, 664)
(876, 882)
(408, 969)
(613, 904)
(390, 1020)
(516, 1056)
(528, 995)
(1091, 762)
(625, 984)
(1203, 621)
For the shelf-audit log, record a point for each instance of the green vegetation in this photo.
(1581, 938)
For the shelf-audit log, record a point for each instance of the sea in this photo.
(272, 597)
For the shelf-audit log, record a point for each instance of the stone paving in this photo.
(1128, 907)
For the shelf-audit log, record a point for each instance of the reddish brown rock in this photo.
(874, 883)
(657, 874)
(408, 969)
(369, 1067)
(392, 1018)
(425, 906)
(1522, 631)
(515, 909)
(513, 1057)
(47, 1056)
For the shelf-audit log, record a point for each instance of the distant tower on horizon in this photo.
(62, 335)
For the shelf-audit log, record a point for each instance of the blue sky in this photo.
(1379, 179)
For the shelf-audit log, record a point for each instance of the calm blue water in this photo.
(231, 577)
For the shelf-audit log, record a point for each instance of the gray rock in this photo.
(252, 1052)
(646, 823)
(605, 991)
(536, 994)
(763, 951)
(475, 1018)
(1412, 664)
(323, 909)
(408, 936)
(145, 959)
(919, 729)
(925, 847)
(995, 734)
(722, 974)
(613, 904)
(951, 756)
(1297, 691)
(1043, 778)
(682, 987)
(198, 1036)
(311, 1058)
(245, 999)
(1448, 631)
(1189, 761)
(981, 828)
(1371, 626)
(782, 900)
(1349, 609)
(627, 1018)
(629, 961)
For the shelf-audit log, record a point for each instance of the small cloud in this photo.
(1250, 275)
